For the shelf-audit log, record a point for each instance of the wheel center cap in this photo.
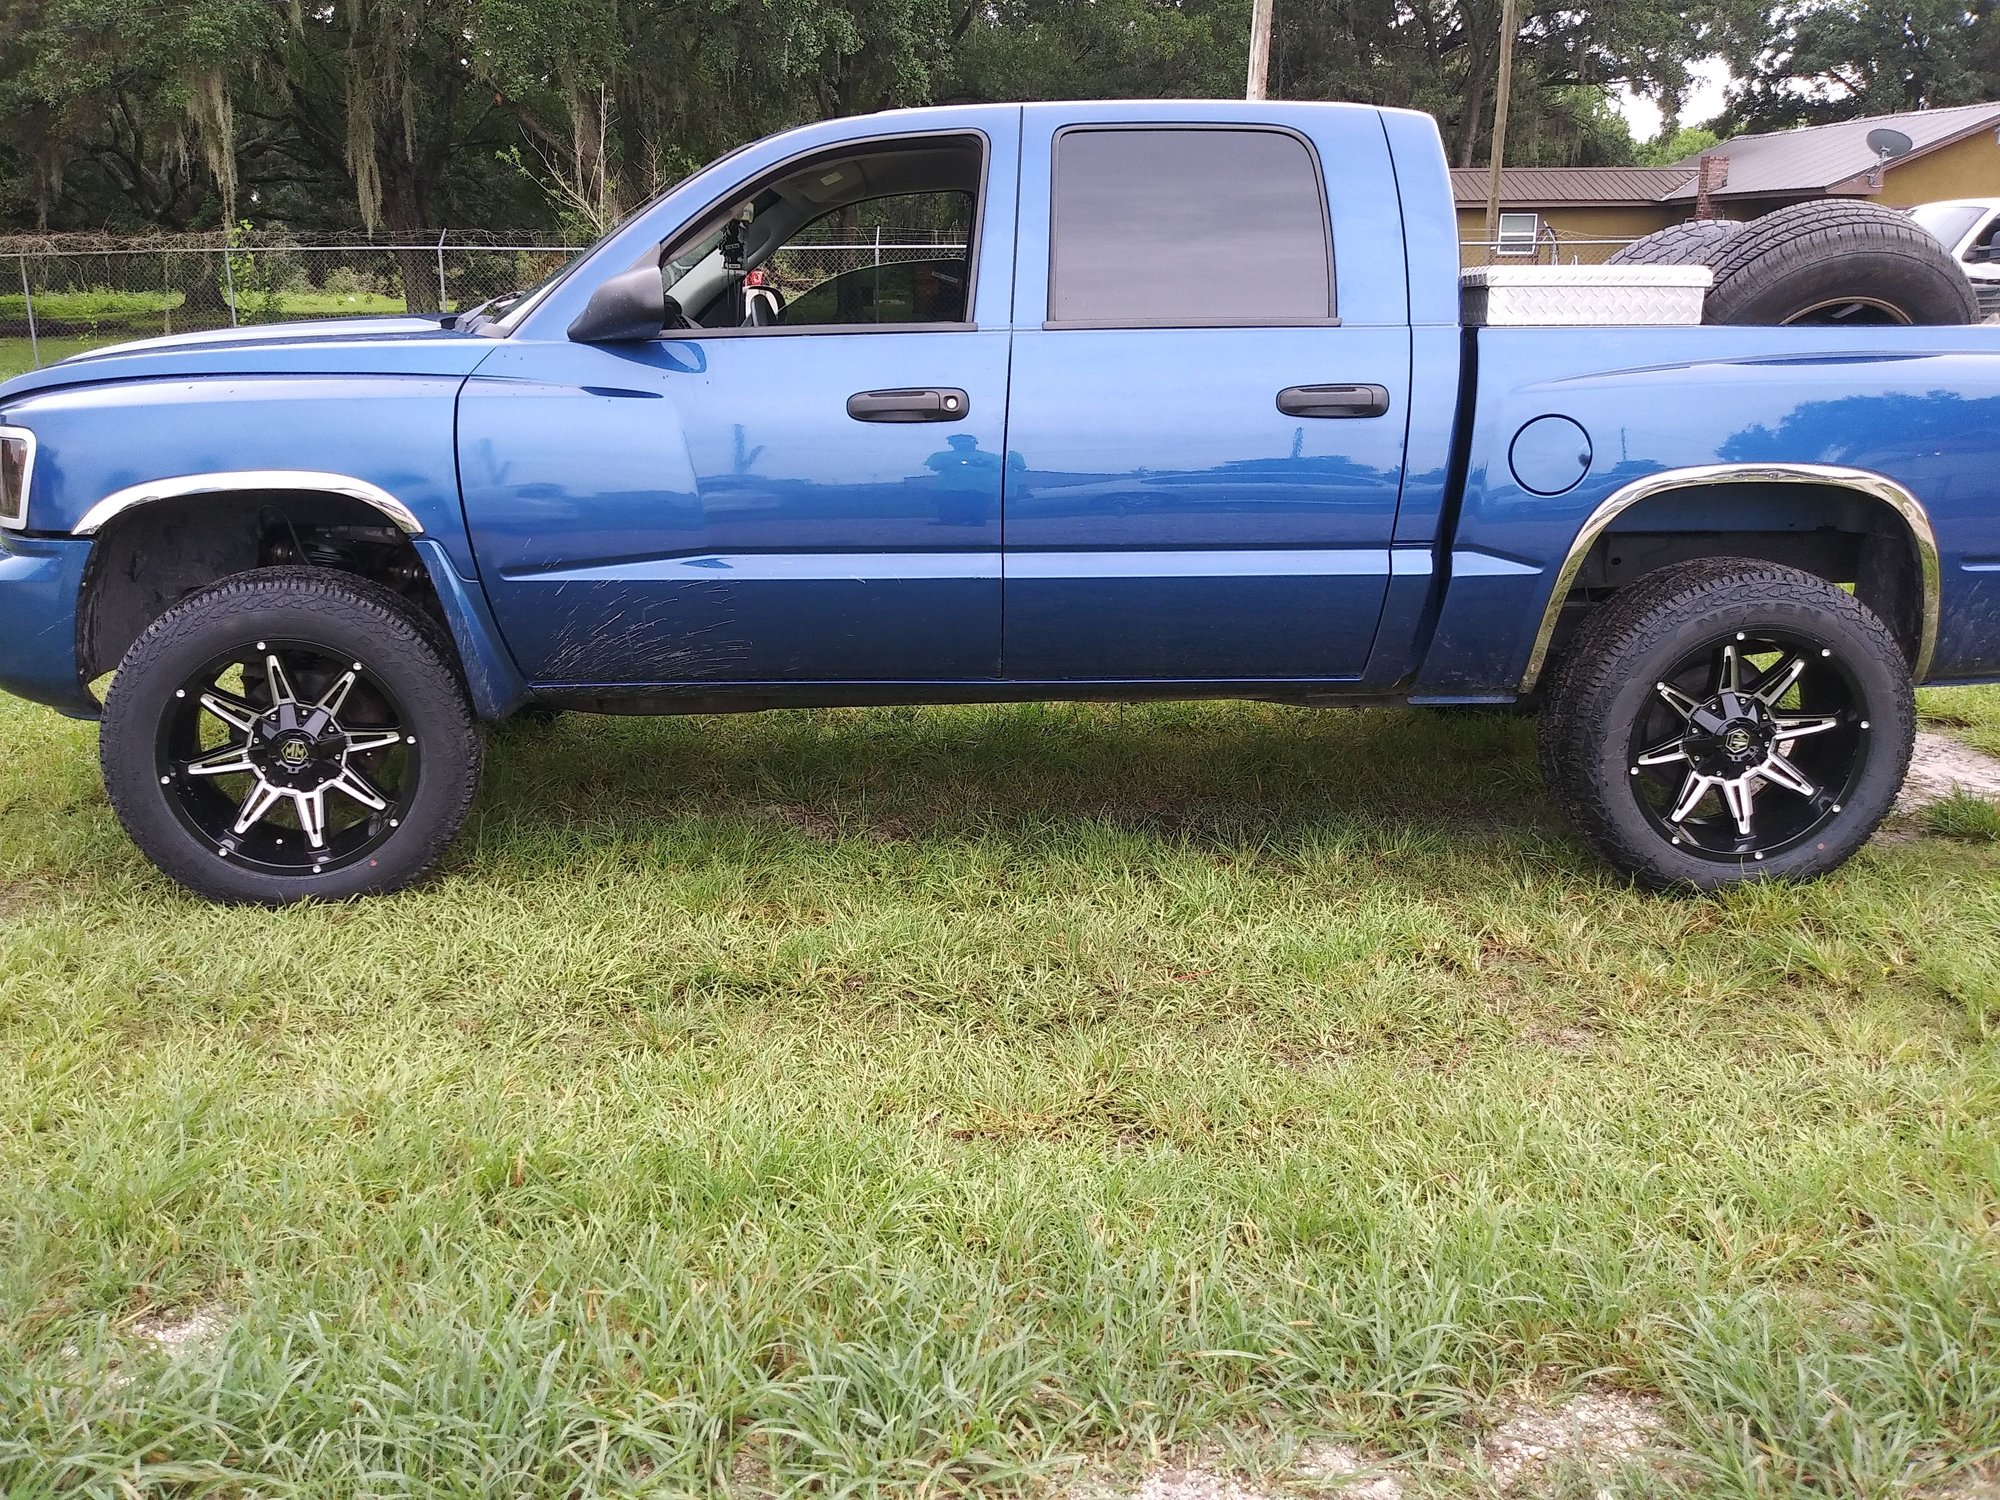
(294, 751)
(1736, 741)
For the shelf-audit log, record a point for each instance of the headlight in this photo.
(17, 467)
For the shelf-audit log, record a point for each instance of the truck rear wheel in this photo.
(1727, 720)
(290, 734)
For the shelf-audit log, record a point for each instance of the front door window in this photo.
(875, 236)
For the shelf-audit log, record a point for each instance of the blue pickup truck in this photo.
(1175, 400)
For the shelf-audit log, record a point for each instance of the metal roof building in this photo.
(1584, 213)
(1836, 161)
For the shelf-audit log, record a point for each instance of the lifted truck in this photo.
(1180, 403)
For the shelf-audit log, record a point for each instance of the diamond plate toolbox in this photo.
(1582, 296)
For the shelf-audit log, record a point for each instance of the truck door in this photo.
(1209, 394)
(804, 486)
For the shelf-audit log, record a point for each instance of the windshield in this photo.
(1949, 222)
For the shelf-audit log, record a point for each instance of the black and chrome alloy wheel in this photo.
(290, 734)
(289, 757)
(1751, 745)
(1727, 719)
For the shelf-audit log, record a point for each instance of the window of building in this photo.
(1519, 233)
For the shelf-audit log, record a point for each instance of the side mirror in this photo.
(1980, 254)
(631, 305)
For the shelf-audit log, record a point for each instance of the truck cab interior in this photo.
(829, 243)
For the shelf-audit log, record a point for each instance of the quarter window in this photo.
(1180, 227)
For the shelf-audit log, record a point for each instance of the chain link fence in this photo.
(802, 263)
(1547, 249)
(61, 294)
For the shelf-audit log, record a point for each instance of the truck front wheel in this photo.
(290, 734)
(1728, 720)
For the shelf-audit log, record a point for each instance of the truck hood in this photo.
(330, 346)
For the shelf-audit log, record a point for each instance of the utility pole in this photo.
(1497, 153)
(1260, 49)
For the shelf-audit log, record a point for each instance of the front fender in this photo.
(106, 448)
(391, 433)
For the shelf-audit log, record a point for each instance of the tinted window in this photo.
(1187, 226)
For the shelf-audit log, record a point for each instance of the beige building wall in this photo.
(1965, 169)
(1585, 227)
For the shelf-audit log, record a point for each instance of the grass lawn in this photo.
(915, 1102)
(17, 356)
(116, 317)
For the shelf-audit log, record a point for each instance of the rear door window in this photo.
(1188, 227)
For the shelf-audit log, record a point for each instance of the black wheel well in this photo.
(151, 557)
(1843, 535)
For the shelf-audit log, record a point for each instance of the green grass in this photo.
(17, 356)
(115, 317)
(92, 306)
(916, 1102)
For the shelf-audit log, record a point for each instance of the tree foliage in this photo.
(1814, 61)
(405, 115)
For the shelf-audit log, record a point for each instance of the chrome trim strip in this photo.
(1876, 486)
(118, 502)
(17, 523)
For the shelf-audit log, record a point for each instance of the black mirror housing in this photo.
(629, 306)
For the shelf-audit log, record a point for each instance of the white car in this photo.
(1970, 229)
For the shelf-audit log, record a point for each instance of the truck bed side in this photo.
(1847, 452)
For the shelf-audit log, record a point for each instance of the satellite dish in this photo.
(1889, 144)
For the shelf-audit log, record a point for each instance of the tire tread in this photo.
(125, 745)
(1595, 667)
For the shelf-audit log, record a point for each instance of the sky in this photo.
(1704, 102)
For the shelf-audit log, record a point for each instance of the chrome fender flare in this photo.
(1863, 481)
(118, 502)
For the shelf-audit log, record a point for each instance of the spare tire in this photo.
(1838, 263)
(1695, 243)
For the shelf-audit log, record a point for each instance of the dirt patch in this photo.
(1596, 1430)
(1358, 1476)
(1197, 1484)
(183, 1332)
(814, 824)
(824, 828)
(178, 1333)
(1331, 1469)
(1560, 1038)
(1974, 1484)
(1940, 766)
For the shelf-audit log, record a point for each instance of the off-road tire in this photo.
(1695, 243)
(1838, 262)
(1608, 677)
(349, 615)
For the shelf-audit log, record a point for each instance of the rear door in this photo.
(1210, 383)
